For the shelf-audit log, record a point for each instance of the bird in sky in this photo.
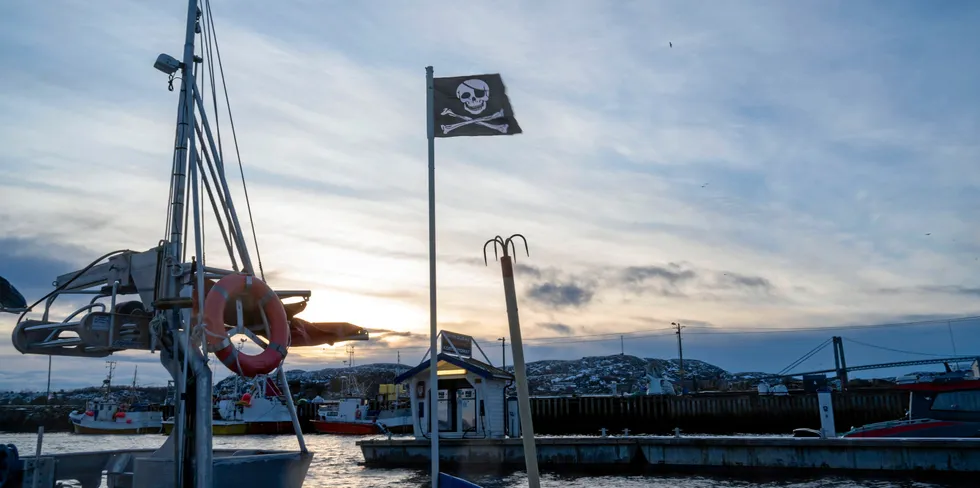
(671, 44)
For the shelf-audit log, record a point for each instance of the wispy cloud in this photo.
(806, 164)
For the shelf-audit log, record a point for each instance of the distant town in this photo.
(596, 375)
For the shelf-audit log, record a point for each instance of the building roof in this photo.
(478, 368)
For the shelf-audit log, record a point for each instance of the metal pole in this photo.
(237, 233)
(503, 352)
(843, 364)
(172, 286)
(47, 398)
(203, 448)
(292, 410)
(837, 360)
(202, 421)
(680, 354)
(523, 396)
(433, 327)
(37, 456)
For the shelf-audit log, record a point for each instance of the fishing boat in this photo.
(173, 300)
(940, 407)
(108, 416)
(254, 406)
(346, 416)
(394, 413)
(349, 415)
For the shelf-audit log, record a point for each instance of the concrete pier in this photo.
(682, 453)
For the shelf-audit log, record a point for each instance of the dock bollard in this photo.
(626, 432)
(677, 432)
(603, 432)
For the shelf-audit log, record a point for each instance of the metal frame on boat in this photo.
(164, 315)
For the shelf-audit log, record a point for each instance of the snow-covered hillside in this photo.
(585, 376)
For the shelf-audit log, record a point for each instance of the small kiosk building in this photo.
(470, 393)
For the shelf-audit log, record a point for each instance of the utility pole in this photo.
(680, 354)
(399, 357)
(622, 347)
(503, 352)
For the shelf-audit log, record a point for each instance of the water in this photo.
(336, 459)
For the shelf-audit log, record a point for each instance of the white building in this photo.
(471, 396)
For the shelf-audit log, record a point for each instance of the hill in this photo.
(584, 376)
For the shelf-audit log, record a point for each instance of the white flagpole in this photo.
(433, 328)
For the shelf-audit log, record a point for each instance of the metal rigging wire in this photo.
(231, 120)
(883, 348)
(804, 358)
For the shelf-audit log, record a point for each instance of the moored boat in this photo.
(253, 408)
(108, 416)
(346, 416)
(394, 412)
(944, 407)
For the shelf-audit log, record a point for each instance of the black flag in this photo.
(475, 105)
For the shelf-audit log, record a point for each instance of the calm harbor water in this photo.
(336, 465)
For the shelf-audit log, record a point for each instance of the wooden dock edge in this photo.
(869, 456)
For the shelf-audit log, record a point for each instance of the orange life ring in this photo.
(218, 341)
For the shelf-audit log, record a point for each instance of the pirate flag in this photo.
(475, 105)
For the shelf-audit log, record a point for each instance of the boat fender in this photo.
(357, 414)
(11, 468)
(227, 288)
(119, 415)
(90, 413)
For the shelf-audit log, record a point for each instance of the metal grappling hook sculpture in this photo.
(513, 319)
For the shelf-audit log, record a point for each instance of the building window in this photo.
(445, 416)
(957, 401)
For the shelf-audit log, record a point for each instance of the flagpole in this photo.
(433, 328)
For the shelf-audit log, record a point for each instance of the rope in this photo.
(231, 120)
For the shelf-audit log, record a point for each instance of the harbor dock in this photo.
(644, 453)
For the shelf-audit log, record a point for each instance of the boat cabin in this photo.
(470, 396)
(346, 410)
(951, 400)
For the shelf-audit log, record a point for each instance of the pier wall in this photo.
(699, 453)
(27, 418)
(746, 413)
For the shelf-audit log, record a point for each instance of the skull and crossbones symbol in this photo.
(474, 94)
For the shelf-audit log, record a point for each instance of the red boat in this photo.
(941, 408)
(346, 417)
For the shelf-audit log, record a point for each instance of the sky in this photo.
(781, 168)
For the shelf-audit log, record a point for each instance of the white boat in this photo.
(107, 416)
(254, 406)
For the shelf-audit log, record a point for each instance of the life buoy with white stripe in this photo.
(225, 290)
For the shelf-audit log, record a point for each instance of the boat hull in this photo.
(242, 428)
(919, 428)
(104, 430)
(345, 428)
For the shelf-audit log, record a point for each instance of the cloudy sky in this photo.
(783, 167)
